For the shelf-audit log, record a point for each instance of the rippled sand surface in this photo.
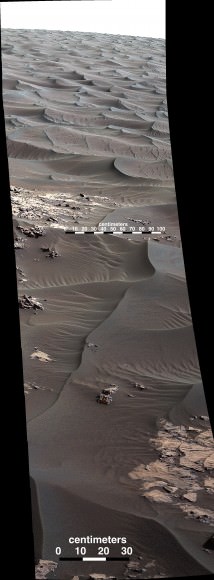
(88, 143)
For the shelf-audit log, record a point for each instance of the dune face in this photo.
(88, 113)
(89, 148)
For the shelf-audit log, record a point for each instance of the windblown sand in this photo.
(87, 114)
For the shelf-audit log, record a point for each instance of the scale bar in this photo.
(109, 559)
(69, 559)
(93, 559)
(86, 559)
(112, 233)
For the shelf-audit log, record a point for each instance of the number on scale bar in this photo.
(126, 550)
(81, 551)
(102, 551)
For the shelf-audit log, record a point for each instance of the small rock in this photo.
(51, 219)
(204, 417)
(19, 245)
(85, 196)
(29, 302)
(157, 495)
(41, 356)
(97, 576)
(52, 254)
(168, 453)
(44, 249)
(134, 566)
(209, 544)
(32, 232)
(204, 519)
(190, 496)
(170, 238)
(170, 488)
(139, 386)
(44, 567)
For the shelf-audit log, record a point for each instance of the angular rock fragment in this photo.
(190, 496)
(209, 544)
(29, 302)
(32, 232)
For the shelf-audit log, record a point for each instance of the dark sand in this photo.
(87, 113)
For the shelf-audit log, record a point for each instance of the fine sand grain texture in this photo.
(88, 145)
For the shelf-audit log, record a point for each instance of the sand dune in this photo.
(88, 145)
(97, 101)
(136, 168)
